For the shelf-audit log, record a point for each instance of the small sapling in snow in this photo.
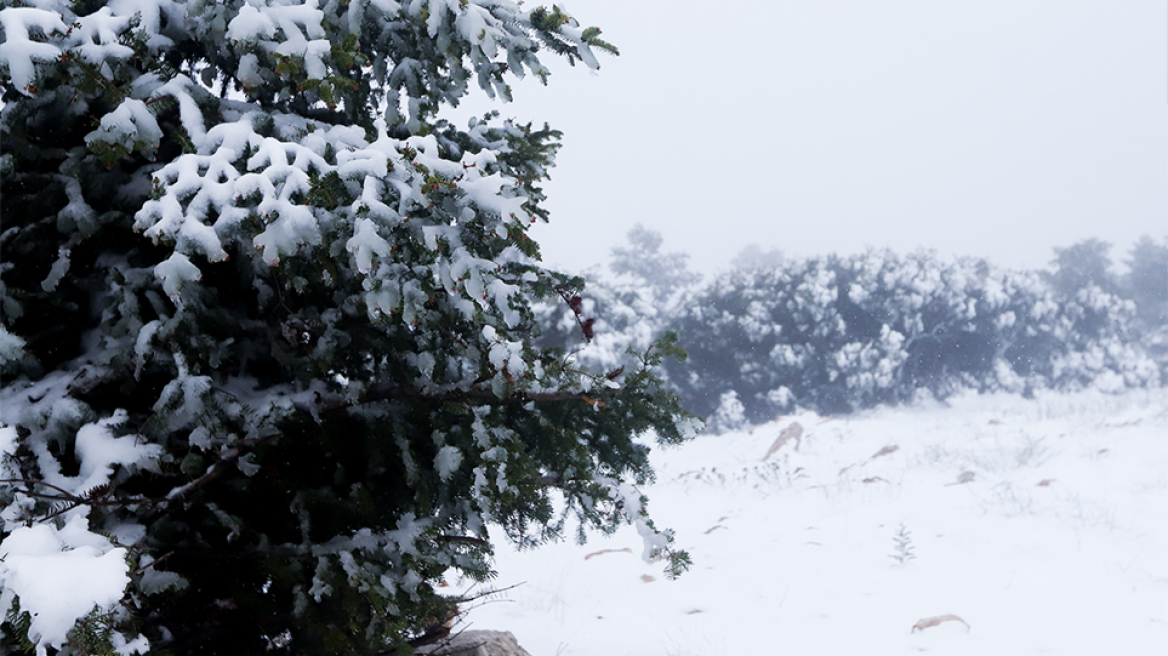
(903, 545)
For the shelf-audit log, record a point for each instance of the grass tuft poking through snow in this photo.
(1040, 526)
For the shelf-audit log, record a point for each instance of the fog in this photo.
(996, 128)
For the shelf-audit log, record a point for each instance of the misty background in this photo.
(993, 129)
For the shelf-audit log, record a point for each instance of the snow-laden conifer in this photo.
(268, 340)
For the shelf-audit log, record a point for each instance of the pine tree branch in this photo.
(466, 539)
(66, 500)
(255, 553)
(152, 564)
(386, 391)
(68, 496)
(575, 303)
(94, 497)
(290, 551)
(230, 457)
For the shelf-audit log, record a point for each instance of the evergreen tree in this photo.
(1081, 265)
(647, 270)
(268, 357)
(754, 257)
(1146, 282)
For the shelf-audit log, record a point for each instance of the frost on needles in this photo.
(268, 348)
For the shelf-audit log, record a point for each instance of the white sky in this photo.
(997, 128)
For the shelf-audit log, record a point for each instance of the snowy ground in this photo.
(1058, 544)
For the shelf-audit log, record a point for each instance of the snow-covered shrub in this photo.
(627, 308)
(268, 343)
(730, 414)
(840, 333)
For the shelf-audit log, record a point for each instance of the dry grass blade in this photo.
(792, 432)
(607, 551)
(930, 622)
(885, 451)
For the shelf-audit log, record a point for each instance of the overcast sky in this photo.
(998, 128)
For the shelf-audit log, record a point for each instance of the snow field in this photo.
(1057, 543)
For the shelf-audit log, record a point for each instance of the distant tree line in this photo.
(841, 333)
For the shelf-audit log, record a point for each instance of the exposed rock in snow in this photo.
(476, 643)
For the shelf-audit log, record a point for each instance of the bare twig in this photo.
(33, 481)
(575, 304)
(153, 563)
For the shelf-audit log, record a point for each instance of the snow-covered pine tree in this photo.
(1146, 282)
(267, 339)
(1081, 265)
